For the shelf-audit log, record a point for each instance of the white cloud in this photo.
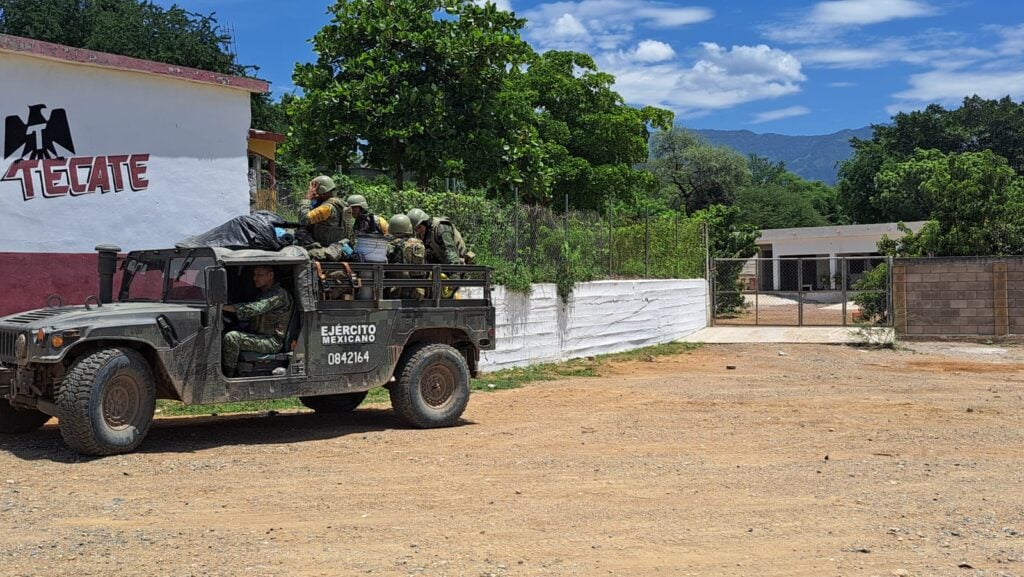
(609, 24)
(500, 4)
(828, 20)
(1012, 43)
(863, 12)
(779, 114)
(721, 78)
(653, 51)
(951, 86)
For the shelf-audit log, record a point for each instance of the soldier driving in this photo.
(268, 318)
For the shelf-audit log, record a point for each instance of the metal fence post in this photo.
(800, 292)
(647, 242)
(611, 242)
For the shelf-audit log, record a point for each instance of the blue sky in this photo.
(786, 66)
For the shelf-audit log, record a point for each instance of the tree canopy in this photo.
(140, 29)
(978, 125)
(695, 174)
(409, 85)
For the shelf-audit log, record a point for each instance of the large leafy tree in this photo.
(976, 200)
(140, 29)
(410, 85)
(978, 125)
(777, 198)
(590, 138)
(695, 174)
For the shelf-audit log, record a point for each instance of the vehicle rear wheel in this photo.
(105, 404)
(432, 388)
(14, 421)
(340, 403)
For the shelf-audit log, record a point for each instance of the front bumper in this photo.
(6, 383)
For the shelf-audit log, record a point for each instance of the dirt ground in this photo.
(802, 460)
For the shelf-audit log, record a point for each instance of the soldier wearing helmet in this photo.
(328, 218)
(365, 221)
(405, 248)
(442, 240)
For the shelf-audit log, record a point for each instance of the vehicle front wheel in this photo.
(340, 403)
(105, 404)
(432, 388)
(14, 421)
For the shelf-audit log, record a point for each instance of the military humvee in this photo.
(99, 367)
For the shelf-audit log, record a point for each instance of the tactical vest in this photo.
(433, 240)
(274, 323)
(334, 228)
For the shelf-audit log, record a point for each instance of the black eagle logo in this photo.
(38, 137)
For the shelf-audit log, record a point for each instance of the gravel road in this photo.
(802, 460)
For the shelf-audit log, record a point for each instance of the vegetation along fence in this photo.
(534, 244)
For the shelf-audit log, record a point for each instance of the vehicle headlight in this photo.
(21, 347)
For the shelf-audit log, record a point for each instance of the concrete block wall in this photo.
(601, 317)
(959, 296)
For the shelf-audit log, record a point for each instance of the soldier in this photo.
(442, 240)
(328, 219)
(268, 321)
(365, 221)
(405, 248)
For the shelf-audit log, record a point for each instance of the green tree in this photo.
(591, 140)
(695, 175)
(977, 203)
(728, 238)
(978, 125)
(134, 28)
(410, 85)
(777, 198)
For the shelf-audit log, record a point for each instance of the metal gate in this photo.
(804, 291)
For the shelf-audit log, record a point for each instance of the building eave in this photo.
(58, 52)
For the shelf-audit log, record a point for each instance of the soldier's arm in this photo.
(315, 216)
(451, 252)
(262, 306)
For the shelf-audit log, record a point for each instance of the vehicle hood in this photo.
(111, 314)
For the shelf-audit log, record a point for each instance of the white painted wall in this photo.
(601, 317)
(195, 136)
(825, 240)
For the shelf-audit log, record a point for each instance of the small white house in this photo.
(104, 149)
(821, 247)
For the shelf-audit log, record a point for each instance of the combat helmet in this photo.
(400, 224)
(324, 185)
(417, 216)
(358, 200)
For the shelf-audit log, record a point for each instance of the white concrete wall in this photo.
(194, 136)
(601, 317)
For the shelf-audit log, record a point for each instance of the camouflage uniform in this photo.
(405, 250)
(269, 317)
(444, 242)
(328, 223)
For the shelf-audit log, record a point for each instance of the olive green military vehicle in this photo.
(99, 367)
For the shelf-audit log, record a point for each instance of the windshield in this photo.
(160, 277)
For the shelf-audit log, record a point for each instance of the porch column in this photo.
(776, 273)
(832, 262)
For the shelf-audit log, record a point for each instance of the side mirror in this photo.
(216, 286)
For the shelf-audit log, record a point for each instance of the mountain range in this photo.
(811, 157)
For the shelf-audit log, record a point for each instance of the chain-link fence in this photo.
(548, 244)
(811, 291)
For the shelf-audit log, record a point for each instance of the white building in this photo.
(106, 149)
(821, 247)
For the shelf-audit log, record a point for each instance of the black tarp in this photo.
(254, 230)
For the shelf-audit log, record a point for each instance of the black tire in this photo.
(106, 402)
(340, 403)
(432, 388)
(14, 421)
